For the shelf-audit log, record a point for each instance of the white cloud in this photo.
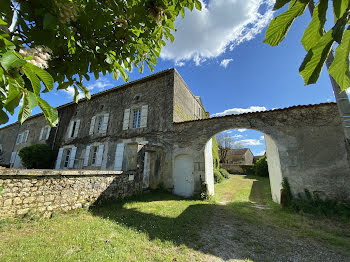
(348, 91)
(241, 130)
(70, 92)
(179, 63)
(248, 142)
(237, 136)
(224, 63)
(262, 138)
(240, 110)
(221, 24)
(228, 131)
(100, 84)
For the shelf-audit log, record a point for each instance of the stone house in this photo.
(126, 128)
(239, 156)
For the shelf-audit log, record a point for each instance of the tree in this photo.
(63, 41)
(319, 43)
(36, 156)
(225, 144)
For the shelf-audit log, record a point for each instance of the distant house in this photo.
(239, 156)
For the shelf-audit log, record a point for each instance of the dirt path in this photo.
(230, 238)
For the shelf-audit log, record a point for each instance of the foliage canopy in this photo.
(36, 156)
(63, 41)
(316, 40)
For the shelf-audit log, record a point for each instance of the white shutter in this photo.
(19, 138)
(59, 158)
(99, 155)
(72, 157)
(92, 125)
(48, 132)
(118, 160)
(13, 156)
(87, 154)
(41, 133)
(126, 119)
(76, 130)
(25, 136)
(105, 123)
(144, 113)
(69, 135)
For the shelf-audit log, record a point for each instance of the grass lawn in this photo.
(159, 227)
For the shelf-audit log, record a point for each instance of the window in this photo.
(136, 120)
(135, 117)
(66, 158)
(22, 137)
(100, 124)
(73, 128)
(44, 133)
(94, 155)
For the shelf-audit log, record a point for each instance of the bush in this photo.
(36, 156)
(261, 168)
(224, 173)
(218, 178)
(248, 170)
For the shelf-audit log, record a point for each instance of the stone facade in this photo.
(127, 128)
(24, 192)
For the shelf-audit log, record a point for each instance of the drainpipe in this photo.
(56, 131)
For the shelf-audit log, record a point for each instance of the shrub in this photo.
(248, 170)
(224, 173)
(36, 156)
(261, 168)
(218, 178)
(286, 194)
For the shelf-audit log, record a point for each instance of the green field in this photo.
(161, 227)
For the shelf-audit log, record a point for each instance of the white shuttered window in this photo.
(119, 154)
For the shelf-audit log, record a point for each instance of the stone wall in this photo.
(24, 192)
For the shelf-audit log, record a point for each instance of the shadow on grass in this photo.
(236, 231)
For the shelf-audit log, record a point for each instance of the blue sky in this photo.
(220, 55)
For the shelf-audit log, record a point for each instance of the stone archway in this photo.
(308, 143)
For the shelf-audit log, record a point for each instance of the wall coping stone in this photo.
(56, 172)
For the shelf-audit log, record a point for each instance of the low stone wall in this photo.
(232, 169)
(41, 192)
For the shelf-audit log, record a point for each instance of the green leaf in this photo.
(9, 60)
(313, 62)
(280, 25)
(29, 102)
(339, 69)
(279, 4)
(116, 74)
(198, 5)
(3, 117)
(14, 96)
(32, 78)
(50, 113)
(63, 86)
(2, 22)
(339, 27)
(43, 75)
(50, 22)
(121, 69)
(339, 8)
(76, 94)
(315, 30)
(71, 45)
(85, 90)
